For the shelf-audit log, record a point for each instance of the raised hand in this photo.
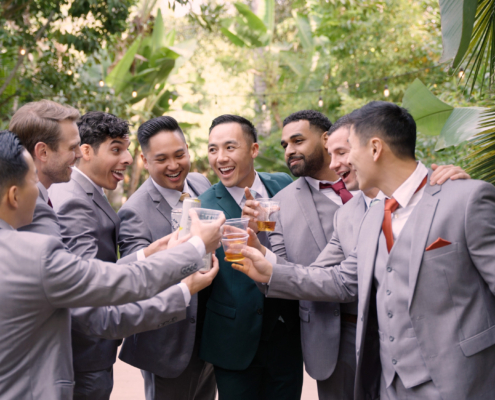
(249, 210)
(254, 265)
(164, 243)
(200, 280)
(209, 232)
(254, 242)
(443, 172)
(175, 240)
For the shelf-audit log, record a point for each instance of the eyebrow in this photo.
(282, 142)
(116, 141)
(225, 143)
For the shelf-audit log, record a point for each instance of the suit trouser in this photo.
(397, 391)
(340, 385)
(276, 372)
(93, 385)
(196, 382)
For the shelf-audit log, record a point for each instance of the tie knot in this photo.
(184, 196)
(391, 205)
(338, 186)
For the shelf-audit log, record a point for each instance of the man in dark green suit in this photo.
(253, 342)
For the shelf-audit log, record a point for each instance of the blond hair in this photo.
(39, 122)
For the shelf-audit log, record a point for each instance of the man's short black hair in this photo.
(13, 165)
(150, 128)
(96, 127)
(315, 118)
(247, 126)
(342, 122)
(388, 121)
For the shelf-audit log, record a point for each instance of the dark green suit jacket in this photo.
(238, 315)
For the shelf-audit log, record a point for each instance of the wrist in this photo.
(147, 252)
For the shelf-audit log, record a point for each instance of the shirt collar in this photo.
(368, 200)
(238, 193)
(99, 188)
(171, 196)
(405, 192)
(43, 192)
(316, 183)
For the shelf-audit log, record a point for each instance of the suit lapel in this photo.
(161, 204)
(271, 185)
(226, 202)
(360, 211)
(426, 209)
(305, 198)
(368, 246)
(191, 186)
(98, 199)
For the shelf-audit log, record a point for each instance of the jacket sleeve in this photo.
(134, 232)
(70, 281)
(117, 322)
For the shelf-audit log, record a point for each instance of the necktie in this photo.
(49, 202)
(339, 188)
(390, 206)
(184, 196)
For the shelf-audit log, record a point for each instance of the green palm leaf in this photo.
(483, 158)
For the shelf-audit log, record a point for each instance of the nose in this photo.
(289, 151)
(127, 158)
(222, 156)
(334, 163)
(78, 153)
(173, 165)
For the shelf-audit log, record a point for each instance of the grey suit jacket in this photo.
(146, 217)
(45, 219)
(451, 289)
(39, 280)
(300, 235)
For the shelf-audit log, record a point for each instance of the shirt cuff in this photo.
(199, 245)
(140, 255)
(270, 257)
(186, 293)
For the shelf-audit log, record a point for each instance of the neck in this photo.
(325, 174)
(248, 181)
(9, 218)
(84, 168)
(371, 193)
(394, 173)
(44, 179)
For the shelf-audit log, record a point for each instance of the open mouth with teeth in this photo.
(174, 177)
(226, 171)
(345, 175)
(118, 174)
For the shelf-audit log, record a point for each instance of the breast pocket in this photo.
(442, 251)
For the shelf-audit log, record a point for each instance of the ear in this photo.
(145, 161)
(255, 149)
(376, 147)
(13, 197)
(87, 152)
(41, 151)
(324, 138)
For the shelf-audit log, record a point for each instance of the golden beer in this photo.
(233, 257)
(266, 226)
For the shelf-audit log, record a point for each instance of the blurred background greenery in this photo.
(262, 59)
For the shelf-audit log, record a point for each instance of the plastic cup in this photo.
(207, 216)
(267, 210)
(233, 244)
(235, 225)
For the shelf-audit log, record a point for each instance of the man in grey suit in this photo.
(168, 357)
(421, 271)
(39, 280)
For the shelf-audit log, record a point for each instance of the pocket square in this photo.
(437, 244)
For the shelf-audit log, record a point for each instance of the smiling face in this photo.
(338, 147)
(361, 158)
(106, 165)
(231, 155)
(58, 163)
(305, 152)
(167, 159)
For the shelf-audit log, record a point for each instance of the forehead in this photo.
(166, 141)
(118, 141)
(226, 132)
(339, 138)
(69, 130)
(301, 127)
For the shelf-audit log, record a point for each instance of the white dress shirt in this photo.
(237, 193)
(368, 200)
(408, 198)
(172, 196)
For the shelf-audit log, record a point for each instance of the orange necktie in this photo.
(390, 206)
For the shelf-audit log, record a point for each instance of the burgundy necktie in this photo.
(339, 188)
(49, 202)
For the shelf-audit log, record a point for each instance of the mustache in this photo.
(292, 158)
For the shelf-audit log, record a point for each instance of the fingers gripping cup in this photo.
(207, 216)
(267, 212)
(232, 244)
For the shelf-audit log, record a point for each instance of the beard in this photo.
(58, 173)
(310, 165)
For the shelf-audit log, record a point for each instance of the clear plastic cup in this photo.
(267, 212)
(235, 225)
(233, 244)
(207, 216)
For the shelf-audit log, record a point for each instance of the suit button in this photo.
(389, 269)
(388, 292)
(394, 361)
(357, 352)
(259, 311)
(391, 338)
(390, 315)
(192, 320)
(336, 313)
(361, 319)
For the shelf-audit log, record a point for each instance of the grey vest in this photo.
(399, 349)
